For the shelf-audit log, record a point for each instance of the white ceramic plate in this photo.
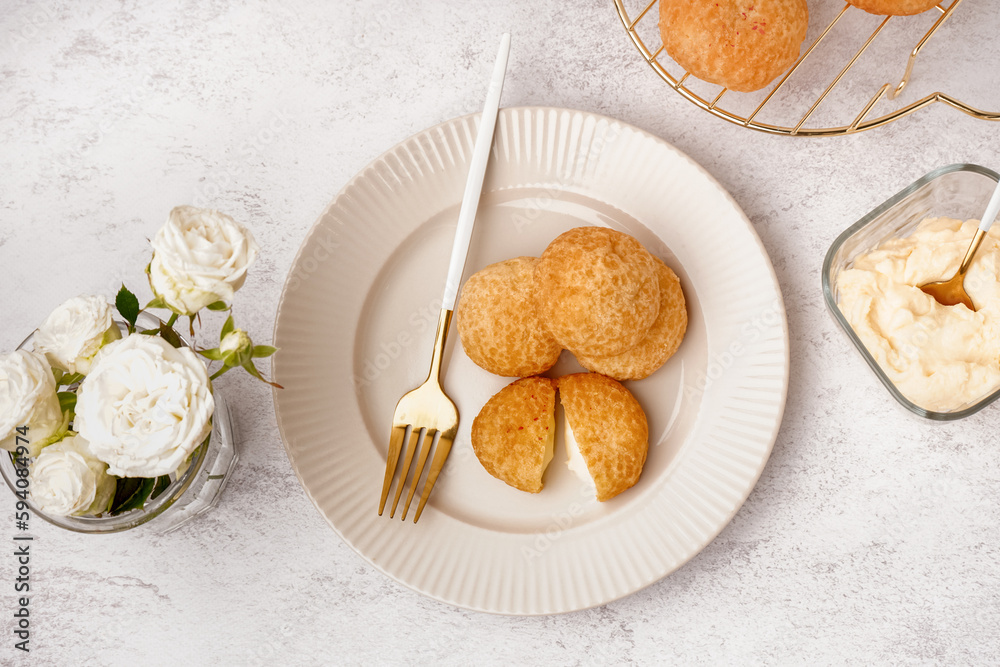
(356, 323)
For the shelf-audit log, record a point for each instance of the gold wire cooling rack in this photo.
(861, 121)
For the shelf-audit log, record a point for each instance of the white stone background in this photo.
(871, 536)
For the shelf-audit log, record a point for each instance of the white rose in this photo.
(75, 331)
(66, 479)
(144, 406)
(200, 256)
(28, 398)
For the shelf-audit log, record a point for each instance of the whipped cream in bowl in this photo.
(941, 362)
(939, 357)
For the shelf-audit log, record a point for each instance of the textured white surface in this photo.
(871, 536)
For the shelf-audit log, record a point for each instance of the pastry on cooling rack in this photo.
(498, 324)
(740, 44)
(606, 433)
(597, 291)
(660, 343)
(513, 435)
(894, 7)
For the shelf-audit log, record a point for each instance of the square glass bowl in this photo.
(958, 191)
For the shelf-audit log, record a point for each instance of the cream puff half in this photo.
(606, 433)
(513, 435)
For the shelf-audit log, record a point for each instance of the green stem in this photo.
(172, 320)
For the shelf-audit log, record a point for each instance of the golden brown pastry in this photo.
(597, 290)
(894, 7)
(660, 343)
(498, 324)
(608, 428)
(513, 434)
(740, 44)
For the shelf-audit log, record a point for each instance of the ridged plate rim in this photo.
(671, 537)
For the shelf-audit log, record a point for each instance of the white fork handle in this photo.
(477, 172)
(991, 210)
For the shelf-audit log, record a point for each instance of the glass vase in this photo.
(194, 491)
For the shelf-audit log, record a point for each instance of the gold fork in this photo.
(426, 412)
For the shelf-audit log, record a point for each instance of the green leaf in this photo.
(227, 328)
(214, 354)
(162, 482)
(131, 493)
(260, 351)
(128, 306)
(157, 302)
(252, 370)
(67, 401)
(70, 378)
(168, 334)
(218, 305)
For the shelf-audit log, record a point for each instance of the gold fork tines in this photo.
(428, 415)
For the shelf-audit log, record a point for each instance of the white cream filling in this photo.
(574, 459)
(550, 442)
(940, 357)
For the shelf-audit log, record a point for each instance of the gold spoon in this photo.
(952, 292)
